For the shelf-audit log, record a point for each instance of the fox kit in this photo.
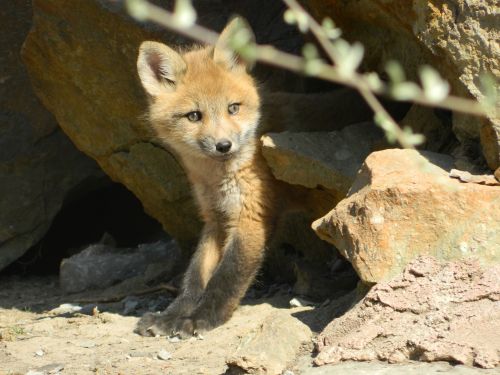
(205, 107)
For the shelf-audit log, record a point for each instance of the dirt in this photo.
(38, 332)
(433, 312)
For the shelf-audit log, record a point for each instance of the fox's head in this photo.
(203, 102)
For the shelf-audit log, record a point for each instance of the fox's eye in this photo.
(233, 108)
(194, 116)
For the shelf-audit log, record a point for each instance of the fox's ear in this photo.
(223, 53)
(160, 67)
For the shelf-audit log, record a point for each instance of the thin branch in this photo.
(271, 56)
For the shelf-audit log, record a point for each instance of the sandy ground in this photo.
(265, 336)
(38, 335)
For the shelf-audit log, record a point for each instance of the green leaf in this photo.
(309, 51)
(405, 90)
(490, 89)
(184, 13)
(138, 9)
(330, 30)
(374, 82)
(347, 57)
(395, 71)
(289, 17)
(435, 88)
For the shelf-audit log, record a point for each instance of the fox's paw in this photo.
(188, 327)
(156, 324)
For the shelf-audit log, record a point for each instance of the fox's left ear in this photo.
(223, 53)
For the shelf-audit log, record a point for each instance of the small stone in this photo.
(86, 344)
(135, 354)
(40, 353)
(65, 308)
(173, 339)
(89, 309)
(300, 302)
(164, 355)
(53, 368)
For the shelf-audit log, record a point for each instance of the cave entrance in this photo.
(84, 219)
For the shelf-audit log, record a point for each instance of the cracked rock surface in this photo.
(434, 311)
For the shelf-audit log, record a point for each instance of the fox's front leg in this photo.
(243, 255)
(200, 269)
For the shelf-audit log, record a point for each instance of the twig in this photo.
(271, 56)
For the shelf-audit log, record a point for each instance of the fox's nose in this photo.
(223, 146)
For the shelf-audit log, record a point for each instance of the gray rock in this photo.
(130, 305)
(328, 160)
(100, 266)
(39, 165)
(164, 355)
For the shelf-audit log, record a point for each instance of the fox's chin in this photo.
(223, 158)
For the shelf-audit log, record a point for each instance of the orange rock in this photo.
(401, 205)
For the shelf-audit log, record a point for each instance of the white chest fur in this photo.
(223, 197)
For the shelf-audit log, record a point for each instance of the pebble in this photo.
(140, 354)
(39, 353)
(53, 368)
(65, 308)
(86, 344)
(164, 355)
(299, 302)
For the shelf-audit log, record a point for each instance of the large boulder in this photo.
(81, 59)
(39, 166)
(457, 37)
(402, 205)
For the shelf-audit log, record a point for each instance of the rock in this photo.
(86, 344)
(433, 311)
(130, 305)
(65, 308)
(81, 57)
(279, 331)
(467, 177)
(53, 368)
(497, 174)
(39, 166)
(437, 131)
(321, 160)
(164, 355)
(456, 37)
(402, 205)
(100, 266)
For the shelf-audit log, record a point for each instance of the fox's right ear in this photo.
(160, 68)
